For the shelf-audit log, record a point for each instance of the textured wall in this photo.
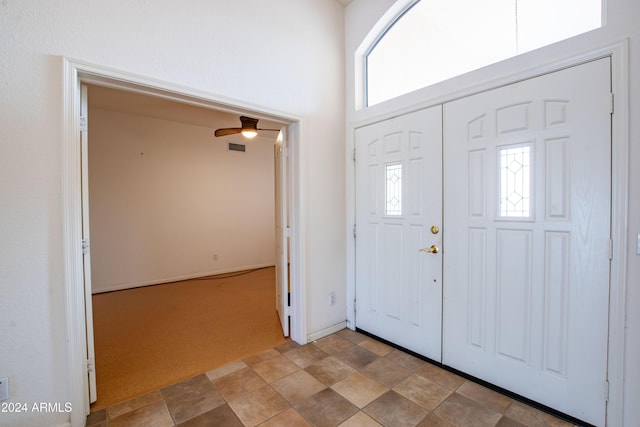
(281, 54)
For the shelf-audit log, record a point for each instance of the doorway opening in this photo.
(79, 325)
(172, 205)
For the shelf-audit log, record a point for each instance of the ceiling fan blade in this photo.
(227, 131)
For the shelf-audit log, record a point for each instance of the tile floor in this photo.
(346, 379)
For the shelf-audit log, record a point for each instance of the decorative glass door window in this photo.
(515, 181)
(393, 189)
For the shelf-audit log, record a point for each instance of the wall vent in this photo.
(237, 147)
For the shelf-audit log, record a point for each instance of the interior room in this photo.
(168, 202)
(511, 296)
(188, 204)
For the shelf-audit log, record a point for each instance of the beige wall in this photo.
(165, 197)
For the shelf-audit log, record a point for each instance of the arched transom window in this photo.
(435, 40)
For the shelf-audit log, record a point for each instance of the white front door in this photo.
(527, 234)
(398, 213)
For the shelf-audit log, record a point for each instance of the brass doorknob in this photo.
(434, 249)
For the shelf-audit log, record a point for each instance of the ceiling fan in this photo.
(249, 128)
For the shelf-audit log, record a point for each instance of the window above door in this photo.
(433, 41)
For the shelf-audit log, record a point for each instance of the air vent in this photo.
(237, 147)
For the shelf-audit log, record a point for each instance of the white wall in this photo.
(166, 196)
(622, 17)
(282, 54)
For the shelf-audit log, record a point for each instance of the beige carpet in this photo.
(151, 337)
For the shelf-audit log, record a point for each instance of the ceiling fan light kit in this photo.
(249, 128)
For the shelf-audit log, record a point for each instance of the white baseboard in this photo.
(123, 286)
(328, 331)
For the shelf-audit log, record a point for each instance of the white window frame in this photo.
(514, 21)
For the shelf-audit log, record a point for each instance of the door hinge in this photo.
(91, 365)
(354, 231)
(610, 249)
(605, 390)
(611, 103)
(83, 124)
(354, 155)
(287, 309)
(85, 246)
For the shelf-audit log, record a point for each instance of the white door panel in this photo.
(281, 160)
(527, 226)
(398, 199)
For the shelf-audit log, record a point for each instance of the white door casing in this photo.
(86, 241)
(77, 328)
(526, 298)
(398, 286)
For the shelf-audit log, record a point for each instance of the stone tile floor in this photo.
(346, 379)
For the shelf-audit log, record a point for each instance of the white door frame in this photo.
(86, 242)
(77, 72)
(619, 53)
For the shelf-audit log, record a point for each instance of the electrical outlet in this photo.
(4, 389)
(332, 298)
(215, 257)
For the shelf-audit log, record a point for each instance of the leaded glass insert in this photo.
(515, 181)
(393, 189)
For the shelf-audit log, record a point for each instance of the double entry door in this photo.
(483, 235)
